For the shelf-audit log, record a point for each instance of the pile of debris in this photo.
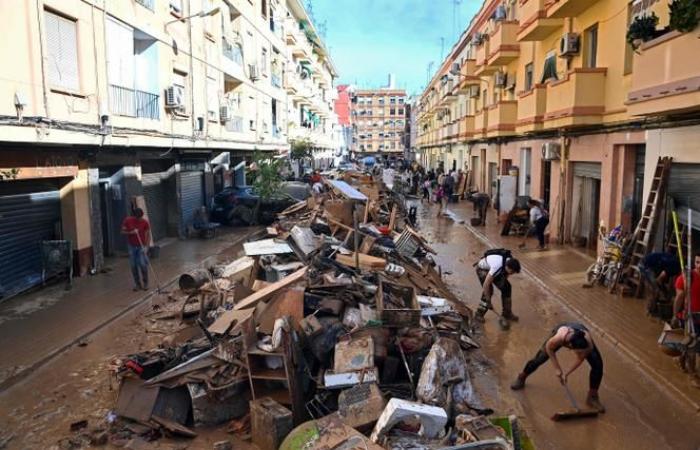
(337, 323)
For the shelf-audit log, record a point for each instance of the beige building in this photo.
(552, 91)
(378, 117)
(107, 101)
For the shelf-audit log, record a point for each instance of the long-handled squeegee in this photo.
(576, 413)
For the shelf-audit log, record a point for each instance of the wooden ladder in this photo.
(645, 233)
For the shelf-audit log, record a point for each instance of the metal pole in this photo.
(357, 236)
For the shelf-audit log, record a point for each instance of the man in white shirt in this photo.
(539, 219)
(493, 269)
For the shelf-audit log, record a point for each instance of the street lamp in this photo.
(203, 13)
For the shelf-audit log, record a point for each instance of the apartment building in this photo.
(379, 118)
(552, 88)
(147, 102)
(342, 109)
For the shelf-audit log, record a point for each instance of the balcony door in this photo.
(525, 171)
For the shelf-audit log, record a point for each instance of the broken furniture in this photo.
(270, 423)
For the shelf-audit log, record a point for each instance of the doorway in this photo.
(638, 190)
(546, 183)
(493, 180)
(525, 171)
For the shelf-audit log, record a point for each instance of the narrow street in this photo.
(638, 416)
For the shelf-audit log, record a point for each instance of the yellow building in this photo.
(379, 119)
(553, 89)
(153, 100)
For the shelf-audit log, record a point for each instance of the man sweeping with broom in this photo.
(576, 338)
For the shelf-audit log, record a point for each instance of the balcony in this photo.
(232, 63)
(482, 55)
(567, 8)
(578, 99)
(133, 103)
(481, 120)
(665, 78)
(503, 44)
(146, 3)
(466, 128)
(501, 118)
(534, 23)
(532, 106)
(467, 77)
(290, 82)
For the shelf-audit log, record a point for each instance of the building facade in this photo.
(553, 93)
(379, 119)
(143, 102)
(342, 110)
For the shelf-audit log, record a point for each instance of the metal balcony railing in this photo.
(134, 103)
(232, 52)
(147, 3)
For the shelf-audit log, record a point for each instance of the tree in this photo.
(267, 180)
(8, 174)
(301, 149)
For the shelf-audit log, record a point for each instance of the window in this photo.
(629, 53)
(529, 77)
(180, 80)
(392, 111)
(62, 49)
(275, 128)
(591, 46)
(212, 99)
(400, 101)
(400, 111)
(392, 100)
(263, 8)
(263, 61)
(549, 71)
(176, 6)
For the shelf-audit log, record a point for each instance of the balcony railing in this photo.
(232, 52)
(146, 3)
(532, 106)
(235, 124)
(578, 99)
(534, 24)
(133, 103)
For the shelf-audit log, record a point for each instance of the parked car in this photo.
(346, 166)
(237, 204)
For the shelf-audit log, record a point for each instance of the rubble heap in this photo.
(337, 323)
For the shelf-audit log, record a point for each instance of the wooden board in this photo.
(225, 320)
(270, 290)
(366, 261)
(287, 303)
(259, 284)
(340, 210)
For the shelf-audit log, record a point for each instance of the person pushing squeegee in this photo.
(577, 338)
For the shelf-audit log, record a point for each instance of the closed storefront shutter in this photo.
(191, 196)
(587, 170)
(25, 221)
(155, 195)
(684, 189)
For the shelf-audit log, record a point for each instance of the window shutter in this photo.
(212, 98)
(62, 47)
(120, 54)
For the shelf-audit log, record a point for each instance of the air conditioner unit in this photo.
(175, 97)
(569, 44)
(551, 151)
(473, 91)
(253, 71)
(479, 38)
(455, 69)
(224, 113)
(500, 13)
(499, 79)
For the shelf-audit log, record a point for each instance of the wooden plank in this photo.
(366, 261)
(392, 218)
(223, 323)
(270, 290)
(288, 303)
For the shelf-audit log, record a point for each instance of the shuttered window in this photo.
(120, 54)
(62, 49)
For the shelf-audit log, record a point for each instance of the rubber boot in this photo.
(508, 310)
(593, 401)
(519, 382)
(504, 323)
(479, 315)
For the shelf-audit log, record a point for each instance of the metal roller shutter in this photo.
(155, 195)
(25, 221)
(587, 170)
(191, 197)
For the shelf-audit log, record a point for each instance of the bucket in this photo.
(153, 252)
(475, 221)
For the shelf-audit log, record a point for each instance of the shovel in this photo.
(576, 413)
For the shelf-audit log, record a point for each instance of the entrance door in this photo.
(546, 183)
(525, 171)
(638, 192)
(475, 173)
(585, 217)
(493, 180)
(482, 172)
(191, 197)
(155, 195)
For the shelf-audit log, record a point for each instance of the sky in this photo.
(368, 39)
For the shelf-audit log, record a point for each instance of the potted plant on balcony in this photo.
(685, 15)
(642, 29)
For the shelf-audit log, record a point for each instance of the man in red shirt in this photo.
(680, 306)
(137, 231)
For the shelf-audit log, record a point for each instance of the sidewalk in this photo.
(621, 320)
(41, 324)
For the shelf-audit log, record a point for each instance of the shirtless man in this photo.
(576, 338)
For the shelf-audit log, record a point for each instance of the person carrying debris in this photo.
(681, 306)
(493, 269)
(578, 339)
(481, 201)
(659, 269)
(137, 231)
(539, 219)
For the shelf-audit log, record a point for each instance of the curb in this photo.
(656, 378)
(22, 374)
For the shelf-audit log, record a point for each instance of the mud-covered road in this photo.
(640, 414)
